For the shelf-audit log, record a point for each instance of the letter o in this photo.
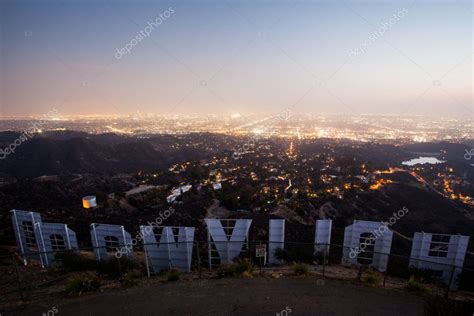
(149, 30)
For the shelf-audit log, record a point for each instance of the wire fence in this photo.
(20, 282)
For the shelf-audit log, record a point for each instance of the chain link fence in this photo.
(20, 282)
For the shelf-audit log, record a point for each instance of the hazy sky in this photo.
(237, 56)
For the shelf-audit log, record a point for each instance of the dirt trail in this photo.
(258, 296)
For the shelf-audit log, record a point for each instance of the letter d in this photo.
(118, 54)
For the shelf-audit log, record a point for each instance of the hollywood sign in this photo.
(366, 243)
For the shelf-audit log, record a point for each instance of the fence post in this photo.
(146, 259)
(199, 259)
(119, 267)
(324, 262)
(450, 282)
(385, 272)
(18, 276)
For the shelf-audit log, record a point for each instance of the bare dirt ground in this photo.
(237, 296)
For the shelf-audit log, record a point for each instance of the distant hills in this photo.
(76, 152)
